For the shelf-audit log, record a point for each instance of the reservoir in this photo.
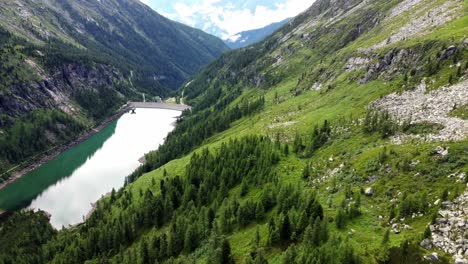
(67, 186)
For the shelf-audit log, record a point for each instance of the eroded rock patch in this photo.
(420, 105)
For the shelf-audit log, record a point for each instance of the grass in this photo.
(424, 128)
(460, 112)
(350, 148)
(354, 149)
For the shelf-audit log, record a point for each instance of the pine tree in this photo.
(309, 236)
(144, 252)
(189, 240)
(226, 256)
(244, 188)
(260, 259)
(286, 150)
(444, 195)
(259, 211)
(306, 171)
(112, 197)
(290, 255)
(386, 237)
(257, 237)
(285, 229)
(316, 232)
(427, 232)
(324, 231)
(340, 218)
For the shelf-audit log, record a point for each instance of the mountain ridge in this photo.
(291, 153)
(249, 37)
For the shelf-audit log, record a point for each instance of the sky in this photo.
(225, 18)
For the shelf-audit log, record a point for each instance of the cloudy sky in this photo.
(228, 17)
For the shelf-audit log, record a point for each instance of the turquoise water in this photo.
(66, 186)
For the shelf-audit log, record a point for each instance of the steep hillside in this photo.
(82, 60)
(126, 31)
(249, 37)
(342, 138)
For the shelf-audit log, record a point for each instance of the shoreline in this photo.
(62, 148)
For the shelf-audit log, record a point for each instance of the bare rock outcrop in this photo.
(450, 232)
(434, 106)
(55, 88)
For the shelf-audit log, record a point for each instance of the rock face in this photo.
(434, 106)
(450, 232)
(56, 88)
(357, 63)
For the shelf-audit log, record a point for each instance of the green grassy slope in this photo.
(291, 188)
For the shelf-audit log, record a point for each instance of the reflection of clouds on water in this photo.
(70, 199)
(20, 193)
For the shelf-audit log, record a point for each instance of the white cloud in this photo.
(209, 14)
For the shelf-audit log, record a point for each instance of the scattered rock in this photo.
(441, 151)
(448, 52)
(459, 176)
(356, 63)
(461, 260)
(316, 87)
(284, 124)
(450, 230)
(434, 107)
(369, 192)
(372, 179)
(433, 256)
(426, 243)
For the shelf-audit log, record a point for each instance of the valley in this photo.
(340, 138)
(66, 185)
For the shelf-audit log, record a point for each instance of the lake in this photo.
(67, 186)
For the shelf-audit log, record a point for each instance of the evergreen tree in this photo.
(144, 252)
(386, 237)
(427, 232)
(260, 259)
(306, 171)
(244, 188)
(286, 150)
(257, 237)
(285, 229)
(340, 219)
(290, 255)
(226, 256)
(259, 211)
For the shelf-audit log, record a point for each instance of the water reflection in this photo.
(83, 174)
(20, 194)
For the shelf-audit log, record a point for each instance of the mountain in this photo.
(249, 37)
(65, 65)
(219, 18)
(341, 138)
(124, 30)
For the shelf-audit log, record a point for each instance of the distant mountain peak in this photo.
(249, 37)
